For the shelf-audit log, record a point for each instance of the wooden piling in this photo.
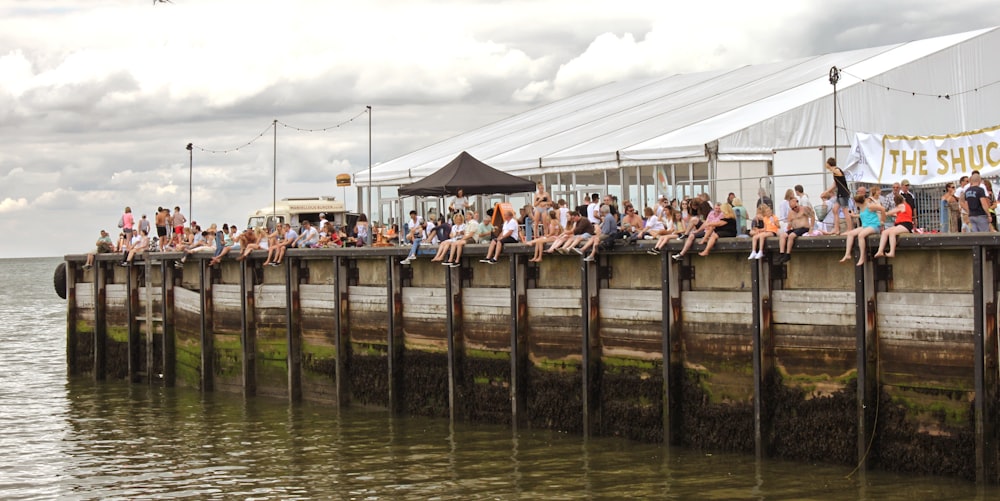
(131, 312)
(867, 356)
(100, 321)
(72, 366)
(248, 328)
(590, 366)
(167, 314)
(518, 341)
(456, 344)
(207, 336)
(395, 334)
(293, 316)
(342, 316)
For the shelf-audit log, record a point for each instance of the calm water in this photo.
(62, 439)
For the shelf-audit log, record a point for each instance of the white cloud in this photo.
(98, 98)
(12, 205)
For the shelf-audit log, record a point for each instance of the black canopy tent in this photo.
(469, 174)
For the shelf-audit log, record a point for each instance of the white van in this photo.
(297, 210)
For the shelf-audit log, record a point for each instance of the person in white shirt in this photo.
(309, 237)
(508, 235)
(594, 210)
(800, 194)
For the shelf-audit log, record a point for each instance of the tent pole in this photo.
(834, 78)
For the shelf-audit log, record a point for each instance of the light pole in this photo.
(190, 148)
(369, 214)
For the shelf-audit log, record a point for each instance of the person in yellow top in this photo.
(765, 225)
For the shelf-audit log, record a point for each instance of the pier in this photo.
(891, 365)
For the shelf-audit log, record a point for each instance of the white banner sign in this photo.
(884, 159)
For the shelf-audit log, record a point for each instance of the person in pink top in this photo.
(127, 223)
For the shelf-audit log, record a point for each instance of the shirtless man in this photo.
(161, 224)
(801, 220)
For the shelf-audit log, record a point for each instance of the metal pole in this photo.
(274, 182)
(834, 78)
(369, 211)
(190, 148)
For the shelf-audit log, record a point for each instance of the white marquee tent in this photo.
(771, 121)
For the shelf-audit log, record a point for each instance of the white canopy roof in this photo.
(748, 112)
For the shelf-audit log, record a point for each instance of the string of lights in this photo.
(279, 122)
(324, 129)
(238, 148)
(947, 95)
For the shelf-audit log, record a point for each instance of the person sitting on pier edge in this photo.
(671, 227)
(230, 243)
(508, 235)
(765, 225)
(103, 245)
(469, 234)
(276, 241)
(801, 220)
(654, 225)
(308, 237)
(139, 245)
(703, 232)
(485, 232)
(904, 224)
(723, 228)
(566, 234)
(583, 229)
(632, 222)
(551, 232)
(869, 215)
(410, 223)
(605, 233)
(362, 231)
(417, 235)
(457, 231)
(255, 241)
(207, 245)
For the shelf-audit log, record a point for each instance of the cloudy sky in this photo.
(98, 98)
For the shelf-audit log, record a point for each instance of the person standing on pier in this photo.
(976, 204)
(841, 198)
(178, 221)
(127, 223)
(910, 199)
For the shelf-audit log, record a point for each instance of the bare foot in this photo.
(890, 254)
(703, 253)
(845, 259)
(878, 254)
(861, 261)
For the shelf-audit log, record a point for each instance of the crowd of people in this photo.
(550, 226)
(174, 234)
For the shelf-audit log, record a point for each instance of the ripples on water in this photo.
(83, 440)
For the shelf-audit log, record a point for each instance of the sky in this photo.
(98, 98)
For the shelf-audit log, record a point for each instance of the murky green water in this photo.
(62, 439)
